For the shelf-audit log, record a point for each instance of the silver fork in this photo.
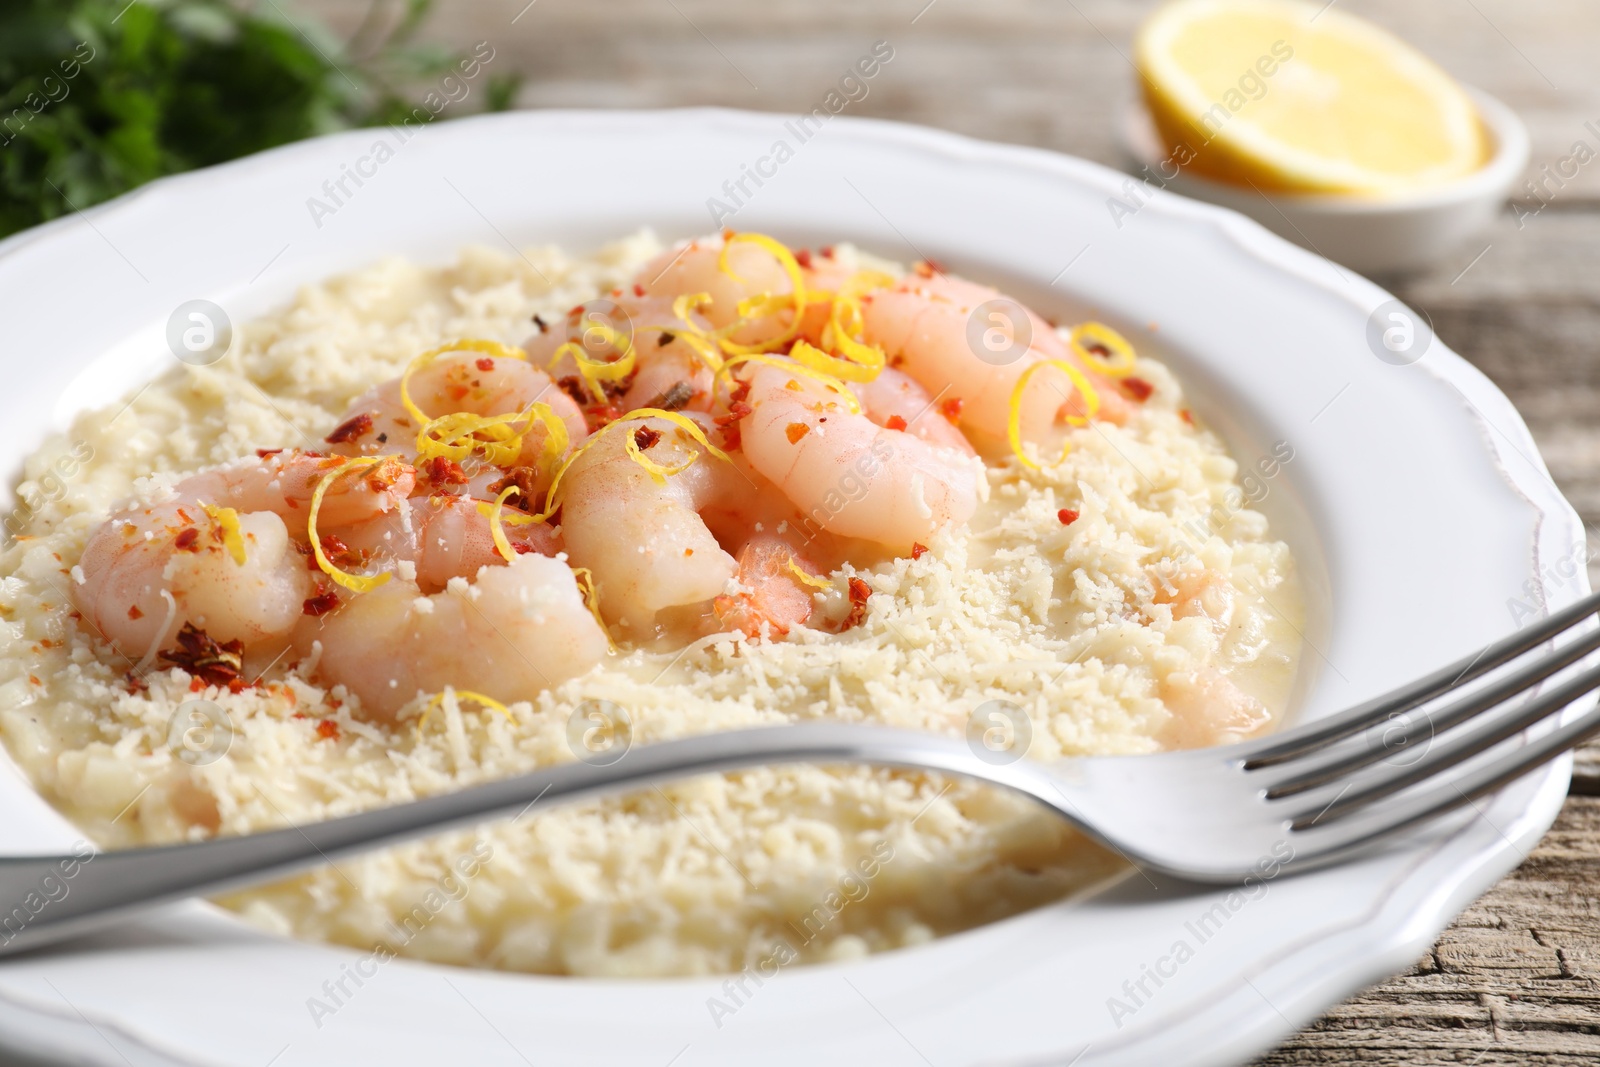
(1288, 802)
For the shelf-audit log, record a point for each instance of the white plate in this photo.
(1416, 503)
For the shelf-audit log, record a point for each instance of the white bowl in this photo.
(1415, 502)
(1411, 231)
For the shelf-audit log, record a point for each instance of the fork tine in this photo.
(1294, 743)
(1436, 722)
(1459, 749)
(1355, 831)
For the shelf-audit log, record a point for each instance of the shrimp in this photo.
(646, 544)
(148, 571)
(378, 422)
(846, 474)
(525, 631)
(695, 267)
(922, 324)
(770, 596)
(1208, 709)
(669, 371)
(899, 402)
(443, 537)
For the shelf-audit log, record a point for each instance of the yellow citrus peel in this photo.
(467, 344)
(861, 362)
(759, 307)
(833, 384)
(496, 531)
(658, 472)
(583, 577)
(356, 583)
(459, 435)
(806, 577)
(1091, 403)
(1087, 341)
(437, 700)
(227, 523)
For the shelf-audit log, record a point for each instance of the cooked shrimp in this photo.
(1208, 709)
(147, 573)
(378, 422)
(695, 267)
(668, 369)
(282, 482)
(899, 402)
(845, 473)
(771, 597)
(443, 537)
(148, 570)
(922, 324)
(647, 544)
(511, 633)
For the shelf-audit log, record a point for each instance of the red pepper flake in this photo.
(320, 604)
(727, 233)
(729, 423)
(186, 540)
(522, 548)
(1068, 516)
(201, 655)
(1138, 388)
(951, 409)
(353, 428)
(598, 416)
(1187, 416)
(927, 268)
(827, 251)
(895, 422)
(328, 730)
(485, 363)
(917, 549)
(572, 385)
(646, 437)
(135, 613)
(803, 257)
(638, 290)
(196, 684)
(34, 679)
(136, 684)
(544, 327)
(263, 453)
(796, 430)
(441, 470)
(859, 592)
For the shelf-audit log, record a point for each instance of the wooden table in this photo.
(1514, 980)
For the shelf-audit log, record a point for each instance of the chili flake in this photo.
(485, 363)
(201, 655)
(859, 592)
(186, 541)
(1138, 388)
(646, 437)
(328, 730)
(352, 428)
(1068, 516)
(951, 409)
(895, 422)
(917, 549)
(320, 604)
(796, 430)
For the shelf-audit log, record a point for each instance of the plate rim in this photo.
(1451, 371)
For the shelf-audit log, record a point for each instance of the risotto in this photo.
(1124, 599)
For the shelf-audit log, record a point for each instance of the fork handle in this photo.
(46, 898)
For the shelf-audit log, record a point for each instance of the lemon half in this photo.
(1294, 96)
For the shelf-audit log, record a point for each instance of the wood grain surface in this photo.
(1514, 980)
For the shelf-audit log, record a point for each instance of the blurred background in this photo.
(98, 96)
